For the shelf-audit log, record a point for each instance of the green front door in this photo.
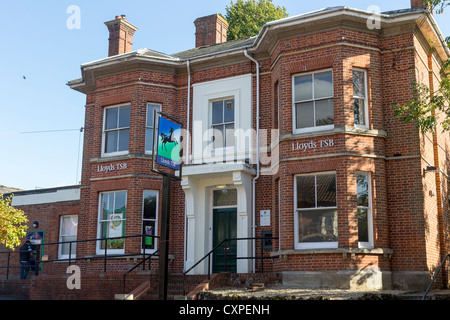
(224, 227)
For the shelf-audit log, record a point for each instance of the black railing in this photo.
(154, 254)
(447, 256)
(208, 256)
(105, 256)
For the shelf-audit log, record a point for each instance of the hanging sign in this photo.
(168, 143)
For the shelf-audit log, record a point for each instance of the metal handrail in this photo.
(435, 276)
(137, 265)
(208, 255)
(70, 258)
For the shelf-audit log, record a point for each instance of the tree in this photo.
(12, 223)
(439, 5)
(246, 18)
(429, 109)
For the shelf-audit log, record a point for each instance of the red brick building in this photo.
(342, 185)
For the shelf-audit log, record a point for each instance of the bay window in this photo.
(364, 208)
(150, 219)
(360, 103)
(315, 211)
(151, 107)
(313, 101)
(116, 130)
(111, 222)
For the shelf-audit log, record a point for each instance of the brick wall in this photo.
(49, 216)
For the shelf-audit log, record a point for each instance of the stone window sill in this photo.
(348, 253)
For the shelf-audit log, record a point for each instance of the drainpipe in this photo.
(257, 155)
(438, 173)
(187, 111)
(187, 155)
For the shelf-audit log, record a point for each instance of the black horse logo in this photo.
(168, 139)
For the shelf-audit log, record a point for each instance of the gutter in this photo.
(257, 156)
(294, 20)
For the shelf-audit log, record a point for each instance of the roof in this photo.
(5, 189)
(215, 48)
(255, 43)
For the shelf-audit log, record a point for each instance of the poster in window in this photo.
(148, 232)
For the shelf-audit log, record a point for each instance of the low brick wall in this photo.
(106, 286)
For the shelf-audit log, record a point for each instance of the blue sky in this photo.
(38, 45)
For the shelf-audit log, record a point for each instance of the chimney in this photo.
(210, 30)
(419, 4)
(120, 35)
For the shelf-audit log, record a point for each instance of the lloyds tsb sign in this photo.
(312, 145)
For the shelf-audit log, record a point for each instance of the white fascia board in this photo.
(46, 196)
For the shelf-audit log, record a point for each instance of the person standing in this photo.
(25, 253)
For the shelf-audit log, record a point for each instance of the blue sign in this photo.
(168, 147)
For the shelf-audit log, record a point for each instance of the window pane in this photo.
(359, 89)
(124, 117)
(306, 192)
(304, 113)
(150, 114)
(69, 226)
(303, 87)
(324, 112)
(326, 190)
(362, 189)
(114, 211)
(150, 201)
(148, 139)
(217, 112)
(225, 197)
(323, 85)
(149, 229)
(65, 247)
(318, 226)
(111, 141)
(359, 110)
(363, 233)
(229, 135)
(111, 118)
(218, 137)
(229, 111)
(107, 203)
(124, 137)
(121, 201)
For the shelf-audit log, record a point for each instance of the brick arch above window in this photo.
(312, 64)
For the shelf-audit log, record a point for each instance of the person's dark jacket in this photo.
(25, 252)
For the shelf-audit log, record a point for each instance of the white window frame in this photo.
(100, 222)
(150, 126)
(366, 101)
(104, 131)
(370, 243)
(312, 245)
(294, 102)
(156, 220)
(222, 151)
(62, 236)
